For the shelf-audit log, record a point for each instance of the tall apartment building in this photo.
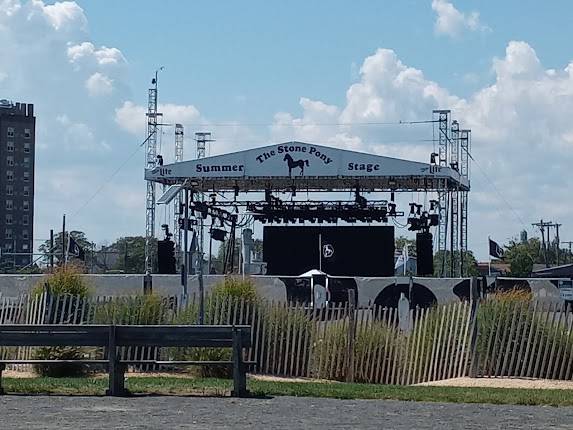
(17, 148)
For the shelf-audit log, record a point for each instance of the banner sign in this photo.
(296, 159)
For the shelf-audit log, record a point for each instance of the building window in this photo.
(27, 133)
(8, 219)
(27, 148)
(24, 234)
(9, 190)
(10, 146)
(26, 176)
(10, 131)
(9, 205)
(8, 233)
(26, 192)
(24, 247)
(24, 220)
(10, 160)
(26, 205)
(8, 246)
(26, 161)
(9, 175)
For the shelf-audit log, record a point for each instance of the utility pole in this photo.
(542, 227)
(557, 244)
(570, 254)
(51, 251)
(546, 243)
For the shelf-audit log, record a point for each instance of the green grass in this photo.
(212, 386)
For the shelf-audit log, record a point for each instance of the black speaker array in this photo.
(346, 251)
(166, 257)
(425, 254)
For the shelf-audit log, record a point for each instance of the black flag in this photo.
(495, 250)
(76, 250)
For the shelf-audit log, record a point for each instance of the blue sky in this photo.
(502, 67)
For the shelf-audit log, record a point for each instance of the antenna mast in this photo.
(150, 163)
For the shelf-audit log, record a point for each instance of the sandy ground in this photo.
(502, 383)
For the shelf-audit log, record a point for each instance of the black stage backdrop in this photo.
(346, 251)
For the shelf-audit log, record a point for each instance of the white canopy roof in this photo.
(307, 166)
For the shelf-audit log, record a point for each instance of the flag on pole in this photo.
(495, 250)
(75, 249)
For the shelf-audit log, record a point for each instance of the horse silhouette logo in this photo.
(327, 250)
(292, 164)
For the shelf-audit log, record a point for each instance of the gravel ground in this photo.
(55, 412)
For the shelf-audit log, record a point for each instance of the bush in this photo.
(65, 281)
(137, 310)
(62, 370)
(236, 288)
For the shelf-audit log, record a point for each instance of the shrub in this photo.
(147, 309)
(236, 288)
(65, 282)
(60, 370)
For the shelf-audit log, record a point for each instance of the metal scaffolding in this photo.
(442, 120)
(454, 201)
(202, 138)
(150, 163)
(179, 139)
(465, 152)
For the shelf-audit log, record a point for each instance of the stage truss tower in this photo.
(179, 139)
(465, 151)
(202, 138)
(442, 121)
(150, 163)
(454, 201)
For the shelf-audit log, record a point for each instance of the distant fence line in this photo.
(494, 337)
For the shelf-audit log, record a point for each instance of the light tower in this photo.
(179, 138)
(150, 163)
(442, 120)
(465, 152)
(454, 200)
(202, 138)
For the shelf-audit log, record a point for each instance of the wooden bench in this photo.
(113, 337)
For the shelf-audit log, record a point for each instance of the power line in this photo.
(306, 124)
(115, 172)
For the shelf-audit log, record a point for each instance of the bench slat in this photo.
(54, 361)
(30, 338)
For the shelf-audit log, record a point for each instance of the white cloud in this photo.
(66, 13)
(451, 22)
(99, 84)
(522, 135)
(131, 117)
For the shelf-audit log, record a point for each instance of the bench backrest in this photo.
(54, 335)
(184, 336)
(125, 335)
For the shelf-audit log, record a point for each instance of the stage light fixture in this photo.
(293, 190)
(412, 208)
(236, 191)
(392, 196)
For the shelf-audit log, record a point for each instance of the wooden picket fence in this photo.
(494, 338)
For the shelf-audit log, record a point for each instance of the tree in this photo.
(130, 254)
(401, 241)
(522, 255)
(79, 237)
(470, 263)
